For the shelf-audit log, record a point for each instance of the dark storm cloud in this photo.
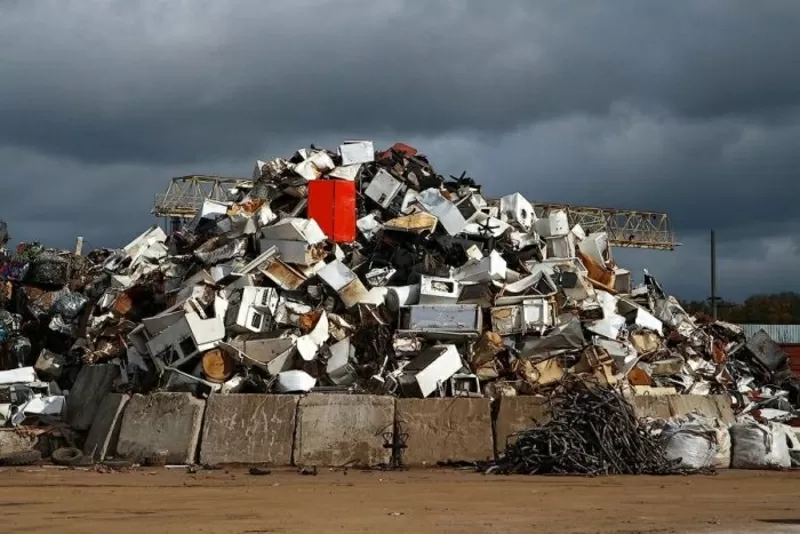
(169, 70)
(687, 107)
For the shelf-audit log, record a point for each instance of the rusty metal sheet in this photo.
(598, 273)
(416, 223)
(354, 293)
(246, 207)
(284, 275)
(400, 148)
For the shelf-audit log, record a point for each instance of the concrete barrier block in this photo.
(515, 414)
(104, 434)
(92, 384)
(723, 403)
(655, 406)
(445, 429)
(249, 429)
(683, 405)
(168, 422)
(337, 430)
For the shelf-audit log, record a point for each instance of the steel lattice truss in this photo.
(185, 195)
(625, 228)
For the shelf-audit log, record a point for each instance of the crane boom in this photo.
(625, 228)
(185, 194)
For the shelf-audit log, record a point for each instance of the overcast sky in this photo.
(688, 107)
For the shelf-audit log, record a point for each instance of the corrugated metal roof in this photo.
(780, 333)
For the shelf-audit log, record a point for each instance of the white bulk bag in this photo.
(723, 458)
(793, 442)
(695, 445)
(757, 446)
(681, 444)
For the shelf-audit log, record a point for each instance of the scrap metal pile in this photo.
(592, 430)
(357, 270)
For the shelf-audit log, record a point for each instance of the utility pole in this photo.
(714, 297)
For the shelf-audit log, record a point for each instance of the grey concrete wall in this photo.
(158, 422)
(707, 405)
(249, 429)
(334, 430)
(342, 430)
(657, 406)
(104, 434)
(92, 384)
(440, 430)
(515, 414)
(723, 403)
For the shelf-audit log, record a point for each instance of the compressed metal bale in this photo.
(69, 305)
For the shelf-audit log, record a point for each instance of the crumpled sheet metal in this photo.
(210, 254)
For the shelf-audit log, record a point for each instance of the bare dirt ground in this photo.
(147, 501)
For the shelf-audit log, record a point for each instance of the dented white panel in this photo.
(337, 275)
(549, 265)
(262, 259)
(295, 381)
(435, 290)
(561, 247)
(558, 223)
(296, 252)
(256, 309)
(23, 375)
(402, 296)
(368, 226)
(294, 229)
(578, 233)
(447, 212)
(642, 317)
(346, 172)
(531, 315)
(580, 290)
(152, 235)
(315, 166)
(434, 367)
(383, 188)
(595, 246)
(516, 209)
(339, 368)
(492, 267)
(353, 152)
(623, 282)
(347, 285)
(522, 240)
(309, 344)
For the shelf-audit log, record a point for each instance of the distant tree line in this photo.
(776, 308)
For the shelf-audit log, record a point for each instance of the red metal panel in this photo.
(321, 200)
(406, 150)
(793, 351)
(344, 213)
(332, 203)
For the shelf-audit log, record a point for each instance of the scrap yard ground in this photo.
(222, 501)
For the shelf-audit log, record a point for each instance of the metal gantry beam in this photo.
(625, 228)
(185, 194)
